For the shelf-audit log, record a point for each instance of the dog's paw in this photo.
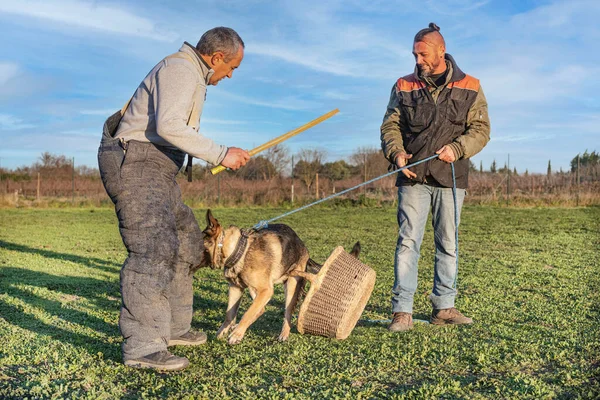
(221, 334)
(283, 337)
(236, 337)
(224, 330)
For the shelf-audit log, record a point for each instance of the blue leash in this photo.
(265, 223)
(455, 223)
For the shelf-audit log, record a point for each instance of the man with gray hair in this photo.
(438, 109)
(139, 158)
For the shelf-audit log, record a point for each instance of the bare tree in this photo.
(309, 164)
(278, 156)
(376, 162)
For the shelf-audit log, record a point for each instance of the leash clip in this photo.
(261, 225)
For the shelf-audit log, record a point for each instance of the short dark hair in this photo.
(220, 39)
(424, 32)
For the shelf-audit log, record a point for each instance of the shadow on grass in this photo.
(72, 289)
(90, 262)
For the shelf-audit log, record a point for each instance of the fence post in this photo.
(37, 196)
(508, 182)
(577, 181)
(317, 184)
(73, 184)
(219, 189)
(364, 189)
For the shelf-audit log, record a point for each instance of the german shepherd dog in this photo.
(266, 257)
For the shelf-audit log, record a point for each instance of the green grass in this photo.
(528, 277)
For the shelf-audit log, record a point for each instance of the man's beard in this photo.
(426, 71)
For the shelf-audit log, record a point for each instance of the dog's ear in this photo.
(211, 222)
(355, 250)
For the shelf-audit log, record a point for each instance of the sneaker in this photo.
(402, 321)
(449, 316)
(190, 338)
(161, 360)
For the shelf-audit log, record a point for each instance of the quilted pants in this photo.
(163, 241)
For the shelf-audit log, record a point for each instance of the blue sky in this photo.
(65, 65)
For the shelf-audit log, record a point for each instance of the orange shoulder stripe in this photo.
(468, 82)
(408, 83)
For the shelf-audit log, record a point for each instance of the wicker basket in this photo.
(337, 296)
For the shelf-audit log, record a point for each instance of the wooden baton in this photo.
(282, 138)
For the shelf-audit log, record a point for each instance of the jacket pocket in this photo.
(416, 112)
(457, 107)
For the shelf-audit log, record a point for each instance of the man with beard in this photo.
(436, 110)
(139, 158)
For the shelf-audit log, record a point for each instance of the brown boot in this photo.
(401, 321)
(161, 360)
(190, 338)
(449, 316)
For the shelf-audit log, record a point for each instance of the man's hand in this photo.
(446, 154)
(235, 158)
(401, 160)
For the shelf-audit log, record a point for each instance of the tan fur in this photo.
(261, 267)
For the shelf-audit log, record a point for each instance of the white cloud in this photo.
(88, 15)
(107, 112)
(520, 79)
(11, 123)
(7, 71)
(522, 137)
(288, 103)
(303, 56)
(217, 121)
(454, 7)
(336, 95)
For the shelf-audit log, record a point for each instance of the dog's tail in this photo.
(355, 250)
(312, 266)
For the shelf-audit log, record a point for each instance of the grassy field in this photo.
(528, 277)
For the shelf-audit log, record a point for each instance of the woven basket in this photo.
(337, 296)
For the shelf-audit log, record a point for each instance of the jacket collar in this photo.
(205, 70)
(455, 73)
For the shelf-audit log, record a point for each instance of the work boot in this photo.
(449, 316)
(401, 321)
(161, 360)
(190, 338)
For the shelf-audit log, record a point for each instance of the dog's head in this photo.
(213, 240)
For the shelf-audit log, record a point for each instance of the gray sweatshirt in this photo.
(166, 107)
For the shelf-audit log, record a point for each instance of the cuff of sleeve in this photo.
(222, 154)
(394, 154)
(457, 149)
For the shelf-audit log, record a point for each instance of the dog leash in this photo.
(265, 223)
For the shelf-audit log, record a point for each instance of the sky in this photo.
(66, 65)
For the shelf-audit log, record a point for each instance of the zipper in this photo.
(435, 113)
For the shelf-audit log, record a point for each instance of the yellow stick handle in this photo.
(282, 138)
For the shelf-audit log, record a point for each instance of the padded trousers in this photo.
(163, 241)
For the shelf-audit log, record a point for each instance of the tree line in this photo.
(305, 165)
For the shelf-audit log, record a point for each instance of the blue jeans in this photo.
(414, 203)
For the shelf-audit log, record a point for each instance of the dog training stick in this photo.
(282, 138)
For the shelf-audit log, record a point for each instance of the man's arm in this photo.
(173, 97)
(477, 133)
(391, 136)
